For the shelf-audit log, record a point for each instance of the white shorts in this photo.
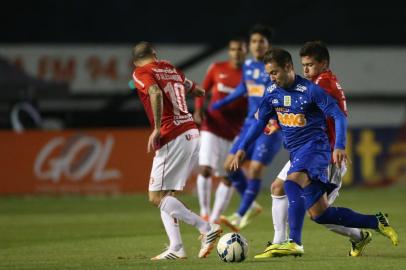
(334, 175)
(174, 162)
(213, 152)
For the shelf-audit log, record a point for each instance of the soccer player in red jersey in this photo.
(175, 139)
(219, 128)
(315, 60)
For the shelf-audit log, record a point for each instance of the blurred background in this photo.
(69, 123)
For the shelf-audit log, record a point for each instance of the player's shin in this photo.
(172, 230)
(204, 194)
(296, 210)
(178, 210)
(279, 218)
(221, 201)
(249, 195)
(239, 180)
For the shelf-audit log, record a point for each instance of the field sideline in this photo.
(123, 232)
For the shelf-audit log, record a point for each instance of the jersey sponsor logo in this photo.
(256, 90)
(300, 88)
(292, 119)
(287, 101)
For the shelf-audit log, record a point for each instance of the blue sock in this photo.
(239, 181)
(296, 210)
(251, 192)
(347, 217)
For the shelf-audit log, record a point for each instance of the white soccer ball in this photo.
(232, 247)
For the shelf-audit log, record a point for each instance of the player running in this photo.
(301, 107)
(264, 149)
(175, 140)
(315, 62)
(219, 128)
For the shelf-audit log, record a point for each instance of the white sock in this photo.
(279, 218)
(204, 194)
(353, 233)
(176, 209)
(172, 230)
(221, 201)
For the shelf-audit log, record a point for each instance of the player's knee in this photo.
(226, 181)
(205, 171)
(277, 188)
(255, 171)
(155, 199)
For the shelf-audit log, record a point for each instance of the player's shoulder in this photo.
(303, 85)
(270, 88)
(328, 81)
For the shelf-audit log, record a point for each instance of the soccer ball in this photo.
(232, 247)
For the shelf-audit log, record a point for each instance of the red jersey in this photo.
(328, 81)
(176, 118)
(222, 79)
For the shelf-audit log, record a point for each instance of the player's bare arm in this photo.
(198, 116)
(198, 91)
(155, 95)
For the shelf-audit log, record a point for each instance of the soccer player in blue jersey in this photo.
(300, 108)
(265, 147)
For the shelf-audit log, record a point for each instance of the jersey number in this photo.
(176, 93)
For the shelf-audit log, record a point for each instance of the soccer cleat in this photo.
(209, 240)
(385, 229)
(358, 247)
(233, 221)
(170, 255)
(288, 248)
(254, 211)
(267, 253)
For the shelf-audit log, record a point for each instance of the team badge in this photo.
(286, 101)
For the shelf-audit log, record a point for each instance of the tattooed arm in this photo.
(155, 95)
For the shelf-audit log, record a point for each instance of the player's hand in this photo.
(271, 127)
(198, 117)
(153, 141)
(237, 160)
(339, 156)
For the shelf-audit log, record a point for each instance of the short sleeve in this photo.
(143, 80)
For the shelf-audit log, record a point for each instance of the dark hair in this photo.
(316, 49)
(238, 39)
(280, 56)
(142, 50)
(263, 30)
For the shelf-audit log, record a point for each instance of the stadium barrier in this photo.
(109, 161)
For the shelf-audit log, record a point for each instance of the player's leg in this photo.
(204, 183)
(237, 178)
(224, 189)
(266, 148)
(280, 206)
(358, 238)
(207, 156)
(170, 173)
(322, 213)
(171, 225)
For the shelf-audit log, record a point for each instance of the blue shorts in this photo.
(264, 149)
(313, 158)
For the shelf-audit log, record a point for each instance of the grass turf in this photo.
(123, 232)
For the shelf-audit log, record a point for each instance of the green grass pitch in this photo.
(123, 232)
